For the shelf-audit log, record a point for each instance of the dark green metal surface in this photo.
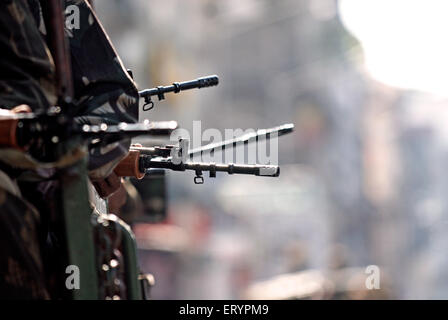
(131, 264)
(79, 231)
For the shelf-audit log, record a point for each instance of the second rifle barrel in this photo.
(181, 86)
(146, 162)
(257, 170)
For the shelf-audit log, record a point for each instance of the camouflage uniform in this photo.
(104, 92)
(21, 267)
(103, 89)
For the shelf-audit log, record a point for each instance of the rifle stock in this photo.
(8, 133)
(130, 166)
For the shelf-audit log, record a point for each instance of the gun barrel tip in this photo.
(215, 79)
(286, 128)
(269, 171)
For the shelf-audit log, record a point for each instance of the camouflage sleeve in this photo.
(103, 89)
(27, 69)
(21, 268)
(104, 92)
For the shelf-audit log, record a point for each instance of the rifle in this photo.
(176, 87)
(41, 134)
(142, 160)
(244, 139)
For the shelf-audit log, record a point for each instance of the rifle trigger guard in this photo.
(199, 179)
(148, 102)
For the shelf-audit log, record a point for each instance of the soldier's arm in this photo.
(103, 87)
(26, 66)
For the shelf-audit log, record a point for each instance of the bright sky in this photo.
(405, 41)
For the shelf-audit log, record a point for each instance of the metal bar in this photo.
(261, 133)
(147, 162)
(78, 229)
(133, 287)
(53, 12)
(176, 87)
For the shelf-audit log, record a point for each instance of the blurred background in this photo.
(363, 177)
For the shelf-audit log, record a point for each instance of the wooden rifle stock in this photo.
(130, 166)
(8, 133)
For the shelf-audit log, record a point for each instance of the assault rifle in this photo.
(142, 160)
(176, 87)
(41, 135)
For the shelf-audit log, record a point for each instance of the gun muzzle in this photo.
(177, 87)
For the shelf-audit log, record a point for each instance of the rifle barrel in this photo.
(109, 134)
(177, 87)
(261, 133)
(19, 129)
(147, 162)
